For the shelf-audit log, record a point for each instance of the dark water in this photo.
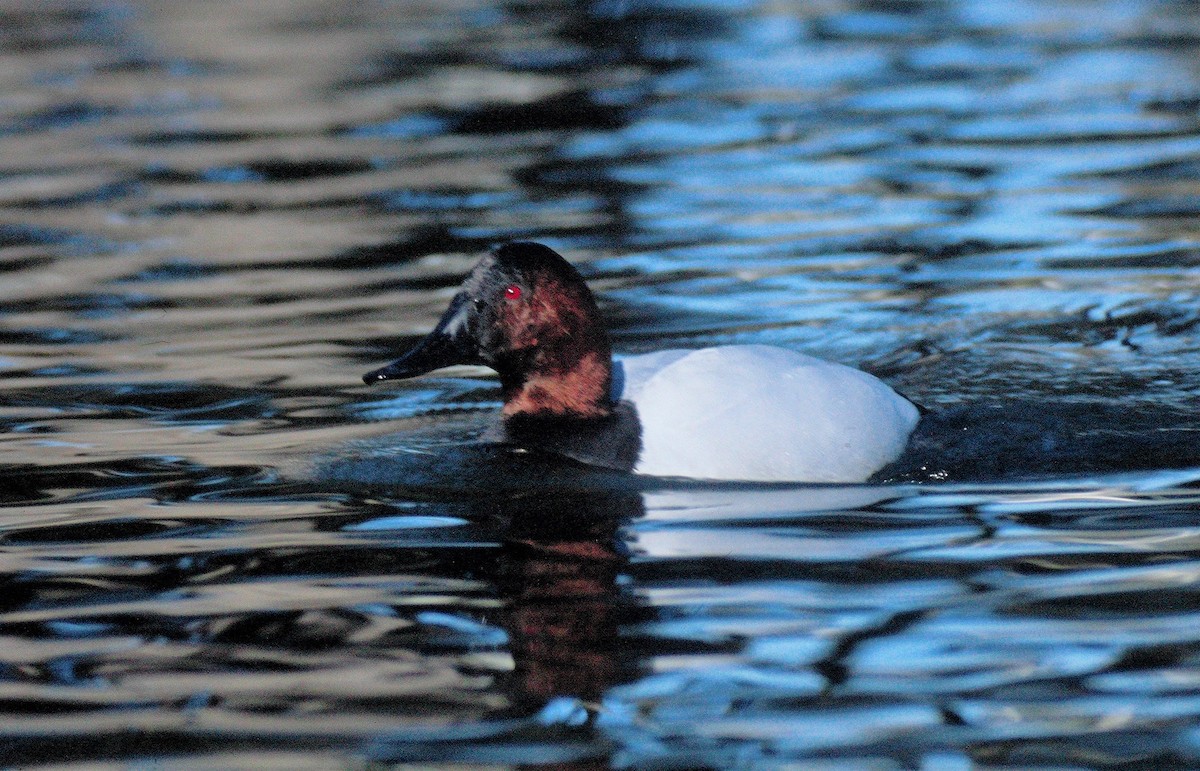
(220, 550)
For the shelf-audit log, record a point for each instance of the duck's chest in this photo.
(613, 442)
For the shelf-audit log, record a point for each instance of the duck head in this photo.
(525, 312)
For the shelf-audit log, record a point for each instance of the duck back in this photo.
(762, 413)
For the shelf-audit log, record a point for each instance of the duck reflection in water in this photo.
(559, 572)
(556, 568)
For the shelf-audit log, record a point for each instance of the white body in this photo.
(755, 412)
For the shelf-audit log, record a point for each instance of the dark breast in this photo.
(612, 442)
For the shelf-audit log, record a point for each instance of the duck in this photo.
(734, 412)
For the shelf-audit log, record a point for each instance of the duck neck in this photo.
(560, 384)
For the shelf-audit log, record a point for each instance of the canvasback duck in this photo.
(738, 412)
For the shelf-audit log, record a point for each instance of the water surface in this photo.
(220, 550)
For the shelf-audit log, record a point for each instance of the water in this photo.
(220, 550)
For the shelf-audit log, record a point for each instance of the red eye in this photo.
(512, 292)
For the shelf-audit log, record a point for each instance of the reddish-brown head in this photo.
(528, 314)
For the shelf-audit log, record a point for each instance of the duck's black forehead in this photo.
(521, 262)
(527, 257)
(486, 273)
